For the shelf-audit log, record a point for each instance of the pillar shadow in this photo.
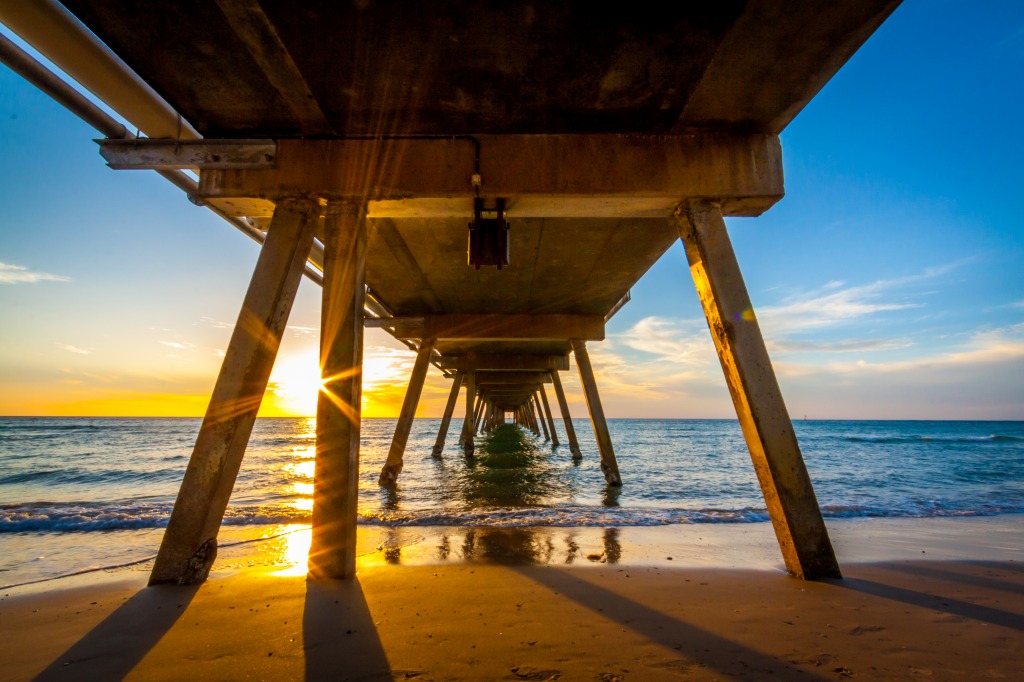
(957, 607)
(942, 571)
(730, 658)
(339, 636)
(116, 645)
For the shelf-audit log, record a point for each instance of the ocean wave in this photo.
(917, 511)
(28, 476)
(85, 517)
(83, 476)
(899, 440)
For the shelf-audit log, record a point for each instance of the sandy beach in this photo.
(921, 599)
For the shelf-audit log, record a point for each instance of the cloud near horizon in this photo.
(19, 274)
(660, 357)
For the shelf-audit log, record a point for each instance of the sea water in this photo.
(77, 493)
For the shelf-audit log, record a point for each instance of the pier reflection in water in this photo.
(514, 474)
(511, 470)
(509, 546)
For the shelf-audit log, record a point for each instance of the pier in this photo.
(484, 183)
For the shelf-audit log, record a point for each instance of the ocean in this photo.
(79, 494)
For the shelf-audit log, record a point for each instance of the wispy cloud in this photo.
(836, 303)
(296, 330)
(178, 345)
(93, 377)
(73, 349)
(674, 341)
(19, 274)
(1005, 344)
(873, 345)
(675, 357)
(217, 324)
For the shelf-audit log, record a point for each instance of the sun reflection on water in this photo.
(295, 551)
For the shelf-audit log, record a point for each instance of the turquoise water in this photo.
(71, 484)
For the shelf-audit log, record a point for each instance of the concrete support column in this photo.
(487, 424)
(762, 413)
(535, 401)
(189, 545)
(530, 420)
(393, 464)
(609, 466)
(478, 413)
(449, 409)
(332, 554)
(547, 415)
(563, 407)
(467, 425)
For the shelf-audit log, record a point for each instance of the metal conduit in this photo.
(38, 75)
(60, 37)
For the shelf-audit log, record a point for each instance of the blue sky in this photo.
(888, 282)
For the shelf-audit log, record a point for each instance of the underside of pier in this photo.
(484, 181)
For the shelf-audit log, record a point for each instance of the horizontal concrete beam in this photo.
(495, 327)
(538, 175)
(511, 378)
(201, 154)
(506, 362)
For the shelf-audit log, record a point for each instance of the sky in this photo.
(888, 283)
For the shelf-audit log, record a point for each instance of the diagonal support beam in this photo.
(547, 415)
(563, 407)
(189, 545)
(762, 413)
(609, 466)
(332, 553)
(449, 409)
(535, 402)
(466, 440)
(393, 464)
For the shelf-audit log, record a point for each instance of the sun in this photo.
(295, 384)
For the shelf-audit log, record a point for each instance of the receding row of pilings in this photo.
(189, 544)
(491, 398)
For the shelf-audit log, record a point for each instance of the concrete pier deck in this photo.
(486, 182)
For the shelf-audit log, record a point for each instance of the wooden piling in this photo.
(449, 409)
(609, 466)
(393, 464)
(332, 553)
(762, 413)
(189, 544)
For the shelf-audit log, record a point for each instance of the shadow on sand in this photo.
(114, 647)
(946, 581)
(728, 657)
(339, 636)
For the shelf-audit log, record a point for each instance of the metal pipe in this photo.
(60, 37)
(23, 64)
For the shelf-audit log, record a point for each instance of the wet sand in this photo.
(921, 599)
